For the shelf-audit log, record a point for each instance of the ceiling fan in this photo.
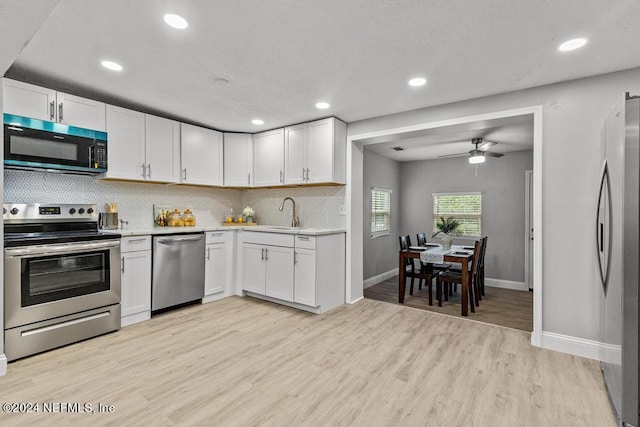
(477, 155)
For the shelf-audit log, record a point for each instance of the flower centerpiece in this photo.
(248, 214)
(447, 229)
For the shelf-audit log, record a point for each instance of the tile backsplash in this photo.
(317, 206)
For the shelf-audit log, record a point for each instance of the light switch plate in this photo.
(342, 210)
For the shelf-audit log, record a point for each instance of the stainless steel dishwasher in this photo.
(178, 270)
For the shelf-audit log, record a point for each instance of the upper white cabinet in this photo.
(238, 159)
(126, 144)
(142, 147)
(23, 99)
(201, 156)
(316, 152)
(268, 155)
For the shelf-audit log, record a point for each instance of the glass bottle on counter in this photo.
(188, 218)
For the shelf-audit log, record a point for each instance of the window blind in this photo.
(380, 212)
(466, 208)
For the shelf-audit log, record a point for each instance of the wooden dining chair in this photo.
(452, 277)
(481, 266)
(413, 271)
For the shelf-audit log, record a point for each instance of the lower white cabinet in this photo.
(219, 265)
(305, 277)
(268, 270)
(135, 291)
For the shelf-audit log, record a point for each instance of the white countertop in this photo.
(259, 228)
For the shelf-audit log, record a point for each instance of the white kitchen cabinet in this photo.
(238, 159)
(162, 149)
(254, 273)
(268, 158)
(126, 144)
(24, 99)
(305, 277)
(279, 274)
(201, 156)
(215, 269)
(315, 152)
(135, 279)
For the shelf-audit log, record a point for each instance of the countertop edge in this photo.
(261, 229)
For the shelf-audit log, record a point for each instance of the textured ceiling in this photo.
(281, 57)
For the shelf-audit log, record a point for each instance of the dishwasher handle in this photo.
(172, 240)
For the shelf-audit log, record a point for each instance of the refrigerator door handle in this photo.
(603, 225)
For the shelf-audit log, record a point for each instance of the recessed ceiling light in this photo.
(322, 105)
(176, 21)
(572, 44)
(114, 66)
(418, 81)
(257, 122)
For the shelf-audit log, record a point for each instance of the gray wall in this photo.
(380, 254)
(502, 184)
(572, 119)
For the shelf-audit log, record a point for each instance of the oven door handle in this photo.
(57, 249)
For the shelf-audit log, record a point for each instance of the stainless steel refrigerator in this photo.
(617, 235)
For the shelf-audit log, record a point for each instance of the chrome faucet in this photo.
(295, 221)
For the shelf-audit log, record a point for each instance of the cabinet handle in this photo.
(142, 239)
(262, 259)
(303, 238)
(266, 254)
(249, 178)
(122, 267)
(52, 110)
(185, 173)
(215, 234)
(149, 171)
(303, 171)
(144, 171)
(60, 112)
(281, 177)
(308, 174)
(208, 254)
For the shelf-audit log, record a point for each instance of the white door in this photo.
(529, 228)
(304, 291)
(135, 282)
(215, 265)
(238, 154)
(81, 112)
(201, 155)
(253, 271)
(125, 144)
(268, 158)
(162, 137)
(320, 151)
(295, 140)
(23, 99)
(279, 282)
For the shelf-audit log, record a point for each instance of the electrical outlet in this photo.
(342, 210)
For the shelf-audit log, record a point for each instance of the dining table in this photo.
(456, 254)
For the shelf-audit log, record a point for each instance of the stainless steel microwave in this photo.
(32, 144)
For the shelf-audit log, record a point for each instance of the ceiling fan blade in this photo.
(486, 145)
(492, 154)
(454, 155)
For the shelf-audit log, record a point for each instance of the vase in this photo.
(446, 242)
(248, 219)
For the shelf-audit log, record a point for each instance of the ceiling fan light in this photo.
(476, 158)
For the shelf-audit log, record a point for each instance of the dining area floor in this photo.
(502, 307)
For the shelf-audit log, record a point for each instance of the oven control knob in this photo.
(72, 211)
(81, 210)
(14, 211)
(90, 211)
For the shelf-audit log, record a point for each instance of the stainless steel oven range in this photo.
(61, 277)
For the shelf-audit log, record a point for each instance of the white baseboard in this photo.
(581, 347)
(506, 284)
(355, 300)
(214, 297)
(135, 318)
(380, 278)
(3, 364)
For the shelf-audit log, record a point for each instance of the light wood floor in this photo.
(245, 362)
(504, 307)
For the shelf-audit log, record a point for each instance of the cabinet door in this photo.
(215, 265)
(279, 283)
(268, 158)
(320, 151)
(238, 159)
(125, 144)
(135, 282)
(305, 277)
(201, 155)
(253, 274)
(23, 99)
(81, 112)
(295, 140)
(162, 153)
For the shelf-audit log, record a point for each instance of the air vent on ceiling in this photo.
(398, 148)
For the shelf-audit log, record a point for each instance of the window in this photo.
(380, 212)
(464, 207)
